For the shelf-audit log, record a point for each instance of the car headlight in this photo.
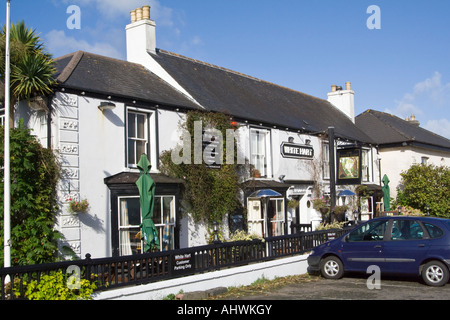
(312, 252)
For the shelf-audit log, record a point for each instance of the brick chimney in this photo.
(344, 100)
(141, 35)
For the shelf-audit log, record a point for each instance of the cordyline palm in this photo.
(32, 69)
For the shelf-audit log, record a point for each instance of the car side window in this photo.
(434, 232)
(372, 231)
(406, 230)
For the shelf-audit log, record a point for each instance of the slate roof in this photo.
(387, 129)
(245, 97)
(99, 74)
(215, 88)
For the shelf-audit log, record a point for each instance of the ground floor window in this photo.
(130, 218)
(276, 217)
(255, 217)
(266, 222)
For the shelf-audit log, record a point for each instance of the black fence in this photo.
(111, 273)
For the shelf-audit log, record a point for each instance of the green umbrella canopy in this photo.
(146, 187)
(387, 193)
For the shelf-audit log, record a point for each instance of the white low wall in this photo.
(234, 277)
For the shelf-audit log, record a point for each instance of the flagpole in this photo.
(7, 177)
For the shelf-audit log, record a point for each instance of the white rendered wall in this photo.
(394, 161)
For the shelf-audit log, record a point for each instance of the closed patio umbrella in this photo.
(387, 193)
(146, 187)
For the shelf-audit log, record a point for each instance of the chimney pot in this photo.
(348, 86)
(146, 12)
(333, 88)
(138, 14)
(133, 16)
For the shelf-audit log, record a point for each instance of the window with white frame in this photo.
(260, 151)
(325, 161)
(276, 217)
(365, 165)
(255, 217)
(140, 137)
(130, 218)
(137, 124)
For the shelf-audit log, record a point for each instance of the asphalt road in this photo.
(354, 287)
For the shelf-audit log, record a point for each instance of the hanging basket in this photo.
(78, 206)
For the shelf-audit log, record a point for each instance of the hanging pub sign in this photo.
(211, 149)
(297, 151)
(348, 166)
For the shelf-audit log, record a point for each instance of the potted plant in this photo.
(339, 212)
(293, 204)
(76, 206)
(256, 173)
(321, 204)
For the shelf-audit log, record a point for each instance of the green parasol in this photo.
(146, 187)
(387, 193)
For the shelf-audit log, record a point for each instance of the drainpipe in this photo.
(49, 121)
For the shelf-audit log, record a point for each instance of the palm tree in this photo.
(32, 68)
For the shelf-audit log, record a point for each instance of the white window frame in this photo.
(266, 169)
(325, 161)
(365, 165)
(278, 204)
(128, 227)
(256, 224)
(160, 226)
(150, 137)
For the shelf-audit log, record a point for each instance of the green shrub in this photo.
(55, 287)
(426, 187)
(35, 172)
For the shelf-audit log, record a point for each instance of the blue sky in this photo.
(402, 68)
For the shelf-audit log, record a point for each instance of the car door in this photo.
(406, 246)
(364, 246)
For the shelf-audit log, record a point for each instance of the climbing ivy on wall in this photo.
(209, 193)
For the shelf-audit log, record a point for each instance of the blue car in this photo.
(397, 245)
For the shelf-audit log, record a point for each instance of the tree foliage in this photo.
(32, 68)
(209, 193)
(426, 185)
(35, 172)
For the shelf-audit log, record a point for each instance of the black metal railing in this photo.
(110, 273)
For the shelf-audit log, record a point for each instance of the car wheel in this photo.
(331, 268)
(435, 274)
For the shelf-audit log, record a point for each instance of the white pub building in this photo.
(106, 112)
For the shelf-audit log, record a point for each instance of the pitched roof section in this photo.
(98, 74)
(387, 129)
(215, 88)
(244, 97)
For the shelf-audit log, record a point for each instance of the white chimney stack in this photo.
(344, 100)
(141, 41)
(141, 35)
